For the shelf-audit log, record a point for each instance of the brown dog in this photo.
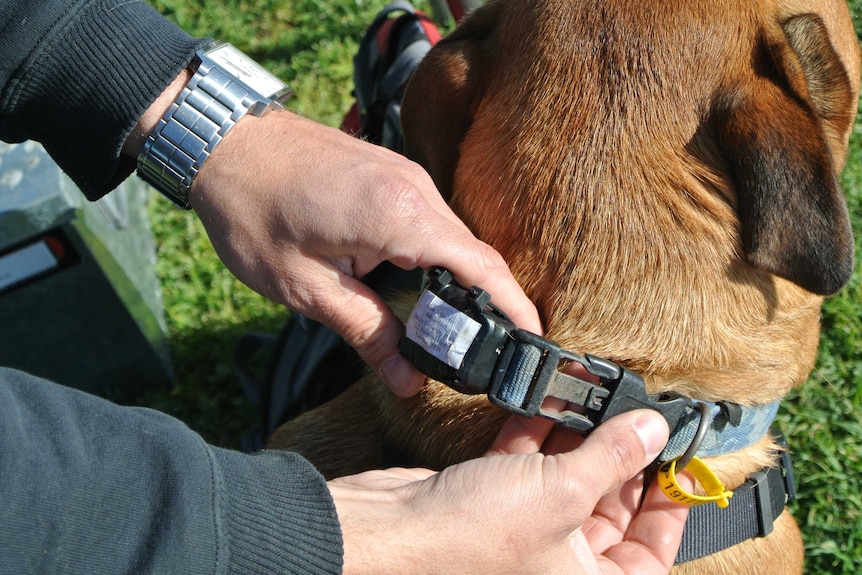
(662, 180)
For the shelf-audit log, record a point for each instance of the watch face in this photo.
(248, 71)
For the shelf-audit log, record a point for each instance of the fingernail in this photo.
(398, 375)
(652, 430)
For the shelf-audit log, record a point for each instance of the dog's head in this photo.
(661, 178)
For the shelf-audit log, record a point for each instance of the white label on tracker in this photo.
(441, 330)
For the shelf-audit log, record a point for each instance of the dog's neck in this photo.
(625, 232)
(688, 314)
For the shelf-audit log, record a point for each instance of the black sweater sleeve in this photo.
(76, 75)
(90, 487)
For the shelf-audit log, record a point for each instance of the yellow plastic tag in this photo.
(715, 490)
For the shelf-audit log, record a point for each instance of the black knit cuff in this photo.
(98, 69)
(277, 523)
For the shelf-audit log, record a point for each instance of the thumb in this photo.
(616, 452)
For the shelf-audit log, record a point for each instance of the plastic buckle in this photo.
(522, 386)
(763, 502)
(763, 491)
(439, 349)
(628, 392)
(619, 390)
(785, 463)
(516, 368)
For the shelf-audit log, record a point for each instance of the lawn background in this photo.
(310, 44)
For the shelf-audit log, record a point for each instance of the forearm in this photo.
(77, 75)
(89, 486)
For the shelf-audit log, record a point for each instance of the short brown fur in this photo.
(663, 183)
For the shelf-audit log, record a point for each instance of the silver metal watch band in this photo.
(208, 107)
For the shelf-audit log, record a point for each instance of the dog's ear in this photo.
(783, 135)
(449, 77)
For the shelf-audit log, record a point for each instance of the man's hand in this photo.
(570, 513)
(299, 212)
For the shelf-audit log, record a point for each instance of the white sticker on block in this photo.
(441, 330)
(25, 263)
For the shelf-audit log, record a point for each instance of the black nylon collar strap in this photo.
(753, 509)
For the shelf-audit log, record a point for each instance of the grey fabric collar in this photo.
(729, 427)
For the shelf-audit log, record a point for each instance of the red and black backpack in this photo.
(388, 54)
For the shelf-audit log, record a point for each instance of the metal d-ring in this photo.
(700, 434)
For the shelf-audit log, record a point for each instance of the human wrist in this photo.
(376, 531)
(222, 86)
(146, 124)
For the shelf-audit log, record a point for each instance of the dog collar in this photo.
(751, 512)
(455, 335)
(724, 427)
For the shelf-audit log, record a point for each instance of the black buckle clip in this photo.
(785, 463)
(516, 368)
(774, 488)
(763, 502)
(529, 371)
(628, 392)
(619, 389)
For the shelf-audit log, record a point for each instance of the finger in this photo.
(521, 435)
(613, 514)
(367, 324)
(488, 270)
(429, 234)
(476, 263)
(653, 538)
(432, 240)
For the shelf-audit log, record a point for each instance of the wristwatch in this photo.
(225, 86)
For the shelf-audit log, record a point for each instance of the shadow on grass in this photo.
(206, 394)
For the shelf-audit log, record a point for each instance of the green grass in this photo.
(310, 44)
